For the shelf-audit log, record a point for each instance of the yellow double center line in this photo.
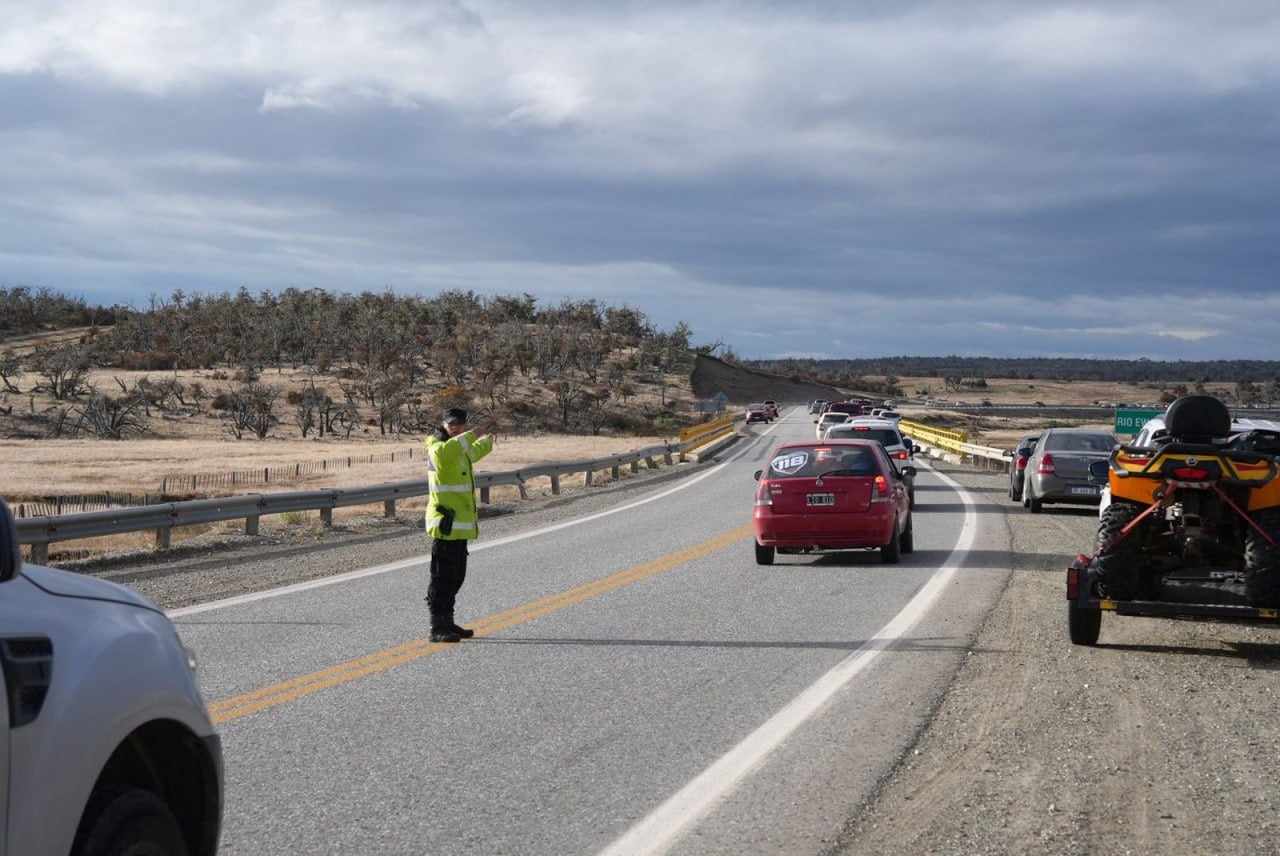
(248, 703)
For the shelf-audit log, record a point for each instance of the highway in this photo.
(637, 684)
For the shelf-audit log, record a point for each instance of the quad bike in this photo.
(1193, 529)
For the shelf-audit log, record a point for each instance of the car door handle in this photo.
(28, 671)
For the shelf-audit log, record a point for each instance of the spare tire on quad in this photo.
(1119, 561)
(1262, 561)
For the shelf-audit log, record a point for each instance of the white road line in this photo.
(658, 831)
(401, 564)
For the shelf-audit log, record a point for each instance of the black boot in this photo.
(444, 632)
(463, 632)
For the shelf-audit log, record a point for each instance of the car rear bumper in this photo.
(1047, 488)
(830, 531)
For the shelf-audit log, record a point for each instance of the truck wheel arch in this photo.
(166, 758)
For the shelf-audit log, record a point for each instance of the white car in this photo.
(886, 433)
(108, 747)
(1154, 429)
(828, 419)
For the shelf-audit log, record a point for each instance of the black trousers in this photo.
(448, 572)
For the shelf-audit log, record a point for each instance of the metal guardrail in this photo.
(956, 441)
(704, 430)
(40, 532)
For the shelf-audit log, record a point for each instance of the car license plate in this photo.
(822, 499)
(1084, 491)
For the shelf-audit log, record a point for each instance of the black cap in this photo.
(454, 414)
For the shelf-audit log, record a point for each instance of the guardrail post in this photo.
(484, 495)
(588, 478)
(40, 553)
(389, 508)
(555, 485)
(524, 491)
(164, 537)
(666, 457)
(635, 466)
(326, 518)
(251, 525)
(650, 463)
(616, 472)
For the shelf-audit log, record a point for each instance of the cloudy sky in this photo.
(879, 177)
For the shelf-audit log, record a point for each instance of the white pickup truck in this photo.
(106, 747)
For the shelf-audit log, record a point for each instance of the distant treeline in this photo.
(27, 310)
(842, 372)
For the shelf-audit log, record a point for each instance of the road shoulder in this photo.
(1158, 741)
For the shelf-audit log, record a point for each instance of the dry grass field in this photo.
(1079, 392)
(33, 468)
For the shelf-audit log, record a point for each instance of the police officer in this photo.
(451, 517)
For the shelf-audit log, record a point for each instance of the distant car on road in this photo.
(757, 413)
(884, 432)
(815, 407)
(835, 495)
(1058, 469)
(826, 420)
(772, 406)
(105, 743)
(1021, 454)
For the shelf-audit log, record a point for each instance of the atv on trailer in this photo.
(1193, 529)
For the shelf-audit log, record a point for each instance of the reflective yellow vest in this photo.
(449, 471)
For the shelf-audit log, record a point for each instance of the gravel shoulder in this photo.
(1161, 740)
(219, 565)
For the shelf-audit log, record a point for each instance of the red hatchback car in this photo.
(832, 495)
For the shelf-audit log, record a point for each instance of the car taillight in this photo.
(1046, 467)
(1191, 473)
(901, 456)
(880, 489)
(764, 498)
(1022, 462)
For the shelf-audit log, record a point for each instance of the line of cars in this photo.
(852, 487)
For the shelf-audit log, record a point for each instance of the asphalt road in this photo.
(638, 683)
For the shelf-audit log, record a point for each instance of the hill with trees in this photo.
(308, 362)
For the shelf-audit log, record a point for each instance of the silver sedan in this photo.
(1058, 470)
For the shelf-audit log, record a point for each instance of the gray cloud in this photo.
(897, 178)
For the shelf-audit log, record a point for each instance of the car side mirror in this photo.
(10, 555)
(758, 474)
(908, 472)
(1100, 472)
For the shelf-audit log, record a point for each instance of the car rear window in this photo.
(883, 436)
(844, 408)
(813, 461)
(1079, 443)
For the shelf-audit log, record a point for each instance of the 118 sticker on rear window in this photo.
(789, 463)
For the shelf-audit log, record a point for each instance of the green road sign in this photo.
(1131, 420)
